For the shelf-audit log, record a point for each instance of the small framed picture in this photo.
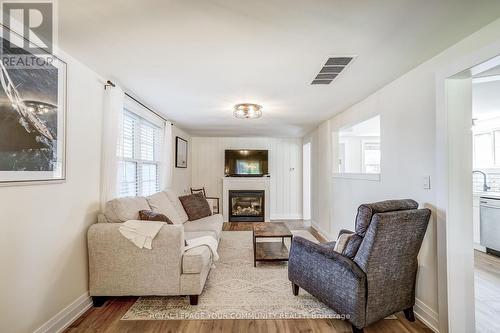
(214, 204)
(181, 152)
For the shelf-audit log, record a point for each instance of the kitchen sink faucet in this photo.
(485, 185)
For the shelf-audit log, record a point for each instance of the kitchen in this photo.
(486, 198)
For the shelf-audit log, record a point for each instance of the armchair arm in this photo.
(117, 267)
(331, 277)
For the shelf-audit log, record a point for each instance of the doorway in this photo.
(486, 198)
(306, 181)
(454, 157)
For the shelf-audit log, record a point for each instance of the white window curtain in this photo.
(111, 142)
(167, 157)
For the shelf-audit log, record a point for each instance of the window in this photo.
(371, 157)
(483, 150)
(139, 156)
(358, 150)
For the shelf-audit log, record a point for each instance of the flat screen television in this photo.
(246, 163)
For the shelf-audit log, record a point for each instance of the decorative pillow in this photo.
(352, 246)
(196, 206)
(148, 215)
(174, 199)
(342, 243)
(160, 203)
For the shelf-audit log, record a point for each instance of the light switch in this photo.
(427, 182)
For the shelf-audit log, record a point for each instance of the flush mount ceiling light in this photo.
(247, 111)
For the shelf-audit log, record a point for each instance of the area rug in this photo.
(236, 290)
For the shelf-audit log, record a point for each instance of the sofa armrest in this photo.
(331, 277)
(117, 267)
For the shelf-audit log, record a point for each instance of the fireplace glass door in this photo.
(246, 206)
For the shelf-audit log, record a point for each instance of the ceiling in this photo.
(193, 60)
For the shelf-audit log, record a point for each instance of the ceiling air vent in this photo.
(331, 70)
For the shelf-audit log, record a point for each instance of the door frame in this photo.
(454, 191)
(306, 180)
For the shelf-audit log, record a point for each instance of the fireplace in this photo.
(246, 206)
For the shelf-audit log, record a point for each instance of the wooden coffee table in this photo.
(270, 251)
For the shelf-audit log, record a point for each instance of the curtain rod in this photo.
(111, 84)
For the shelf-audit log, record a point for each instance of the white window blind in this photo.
(140, 156)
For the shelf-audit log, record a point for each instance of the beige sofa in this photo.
(118, 268)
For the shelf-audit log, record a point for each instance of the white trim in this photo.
(358, 176)
(485, 79)
(286, 217)
(66, 316)
(426, 315)
(449, 248)
(321, 231)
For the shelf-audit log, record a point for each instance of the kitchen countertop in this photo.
(495, 195)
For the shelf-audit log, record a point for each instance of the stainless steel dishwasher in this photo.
(490, 224)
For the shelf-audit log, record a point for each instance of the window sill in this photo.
(358, 176)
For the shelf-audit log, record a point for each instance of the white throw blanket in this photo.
(209, 241)
(141, 233)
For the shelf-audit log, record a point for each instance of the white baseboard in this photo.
(286, 217)
(67, 315)
(426, 315)
(321, 231)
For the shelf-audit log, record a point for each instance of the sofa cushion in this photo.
(148, 215)
(211, 223)
(195, 259)
(160, 203)
(366, 211)
(174, 199)
(196, 206)
(124, 209)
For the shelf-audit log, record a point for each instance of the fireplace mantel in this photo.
(246, 183)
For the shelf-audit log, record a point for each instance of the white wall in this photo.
(181, 177)
(285, 167)
(408, 141)
(43, 252)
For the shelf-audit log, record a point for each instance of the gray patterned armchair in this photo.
(374, 276)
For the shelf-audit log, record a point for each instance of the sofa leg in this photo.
(295, 289)
(356, 330)
(410, 316)
(99, 301)
(193, 299)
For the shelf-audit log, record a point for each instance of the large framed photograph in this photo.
(32, 115)
(181, 152)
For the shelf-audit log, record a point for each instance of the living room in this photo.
(303, 166)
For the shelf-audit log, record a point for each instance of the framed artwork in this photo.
(214, 204)
(181, 152)
(32, 115)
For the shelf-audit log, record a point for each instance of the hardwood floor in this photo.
(487, 292)
(107, 318)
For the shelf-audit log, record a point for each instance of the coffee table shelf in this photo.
(270, 251)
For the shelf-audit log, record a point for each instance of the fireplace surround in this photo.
(246, 206)
(246, 184)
